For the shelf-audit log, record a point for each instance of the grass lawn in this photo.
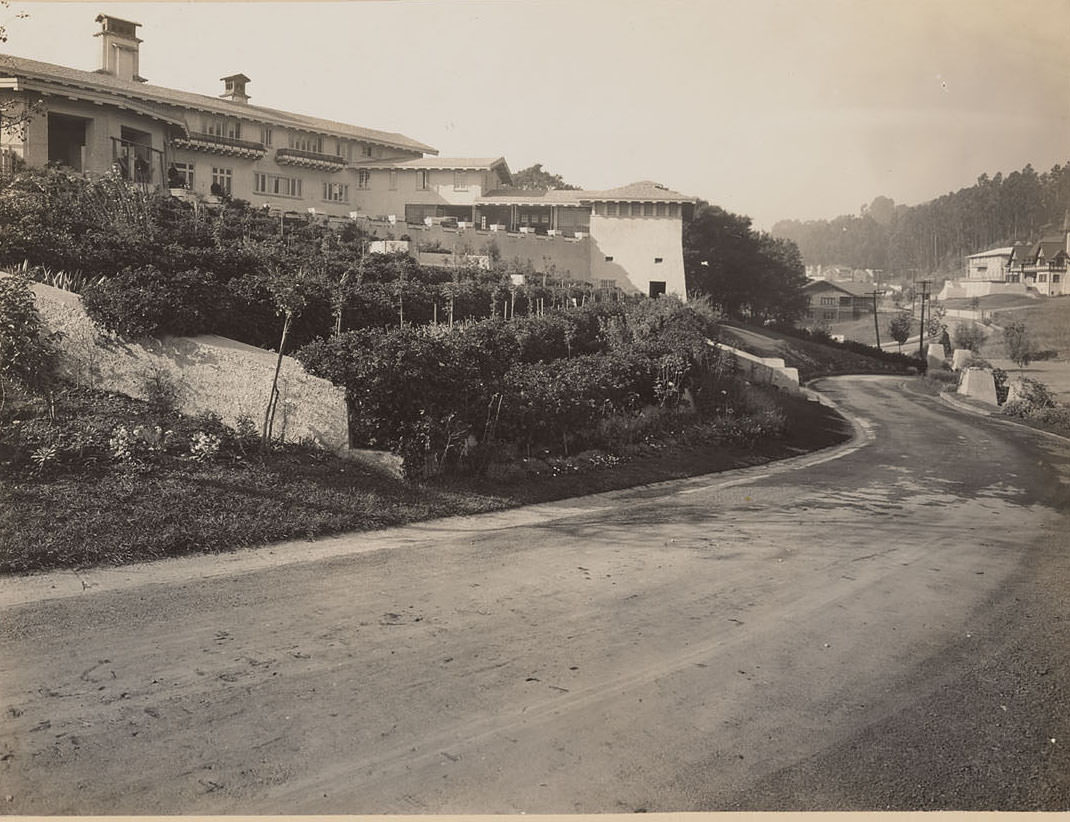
(96, 511)
(993, 302)
(812, 358)
(861, 330)
(1048, 323)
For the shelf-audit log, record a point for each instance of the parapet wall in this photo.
(546, 253)
(764, 370)
(210, 373)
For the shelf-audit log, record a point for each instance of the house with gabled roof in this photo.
(830, 302)
(208, 148)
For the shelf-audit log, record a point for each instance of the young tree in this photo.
(969, 336)
(1019, 345)
(15, 114)
(899, 328)
(26, 352)
(291, 292)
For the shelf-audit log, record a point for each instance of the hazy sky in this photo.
(771, 108)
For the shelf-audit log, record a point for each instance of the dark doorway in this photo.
(657, 288)
(135, 155)
(66, 140)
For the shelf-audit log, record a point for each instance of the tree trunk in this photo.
(269, 413)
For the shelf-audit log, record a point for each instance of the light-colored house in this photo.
(205, 148)
(831, 302)
(991, 266)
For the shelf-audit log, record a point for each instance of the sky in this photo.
(777, 109)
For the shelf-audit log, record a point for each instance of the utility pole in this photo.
(876, 324)
(921, 331)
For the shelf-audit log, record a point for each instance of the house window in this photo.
(1042, 278)
(1055, 278)
(648, 209)
(659, 210)
(393, 179)
(674, 209)
(366, 150)
(830, 315)
(182, 176)
(221, 180)
(234, 129)
(657, 260)
(215, 126)
(364, 178)
(607, 285)
(336, 192)
(460, 183)
(276, 186)
(846, 301)
(611, 209)
(307, 142)
(265, 135)
(423, 182)
(828, 301)
(609, 259)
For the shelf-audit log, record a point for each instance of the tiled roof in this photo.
(97, 81)
(642, 192)
(1050, 248)
(995, 252)
(854, 289)
(538, 196)
(450, 163)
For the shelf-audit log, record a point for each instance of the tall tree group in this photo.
(937, 235)
(746, 273)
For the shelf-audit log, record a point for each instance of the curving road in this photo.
(883, 625)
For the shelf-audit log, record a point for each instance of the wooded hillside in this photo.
(937, 235)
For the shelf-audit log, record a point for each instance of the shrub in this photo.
(968, 336)
(27, 354)
(147, 302)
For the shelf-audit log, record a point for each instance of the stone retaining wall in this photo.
(209, 373)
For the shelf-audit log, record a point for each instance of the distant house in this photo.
(990, 266)
(836, 302)
(1044, 266)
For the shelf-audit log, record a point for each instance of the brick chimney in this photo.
(234, 88)
(119, 48)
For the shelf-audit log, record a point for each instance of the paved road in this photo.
(879, 626)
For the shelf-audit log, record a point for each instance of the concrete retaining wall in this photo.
(210, 373)
(764, 370)
(968, 289)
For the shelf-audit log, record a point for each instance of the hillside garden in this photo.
(517, 393)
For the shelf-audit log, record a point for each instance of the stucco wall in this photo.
(969, 289)
(210, 373)
(564, 254)
(634, 243)
(764, 370)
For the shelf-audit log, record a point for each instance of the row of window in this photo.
(274, 185)
(302, 141)
(637, 209)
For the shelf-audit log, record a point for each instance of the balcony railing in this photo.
(137, 162)
(217, 144)
(309, 159)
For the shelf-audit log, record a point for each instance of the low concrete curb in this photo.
(948, 399)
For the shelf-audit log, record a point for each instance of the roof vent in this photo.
(119, 48)
(234, 88)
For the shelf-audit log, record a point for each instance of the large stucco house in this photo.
(206, 147)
